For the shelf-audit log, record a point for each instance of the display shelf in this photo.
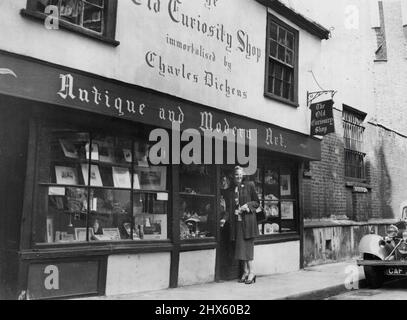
(55, 185)
(187, 194)
(93, 162)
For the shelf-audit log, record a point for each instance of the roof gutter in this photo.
(301, 21)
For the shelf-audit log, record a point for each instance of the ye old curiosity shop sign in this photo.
(322, 119)
(195, 45)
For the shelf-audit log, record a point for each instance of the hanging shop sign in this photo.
(40, 81)
(322, 119)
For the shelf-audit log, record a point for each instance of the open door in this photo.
(229, 267)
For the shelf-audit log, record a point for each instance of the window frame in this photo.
(354, 152)
(110, 17)
(126, 244)
(272, 18)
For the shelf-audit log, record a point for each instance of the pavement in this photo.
(311, 283)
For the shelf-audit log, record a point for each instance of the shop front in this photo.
(99, 216)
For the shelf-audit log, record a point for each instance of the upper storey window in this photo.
(94, 18)
(282, 61)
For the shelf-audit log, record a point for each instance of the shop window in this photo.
(92, 17)
(353, 143)
(282, 62)
(277, 191)
(197, 201)
(95, 187)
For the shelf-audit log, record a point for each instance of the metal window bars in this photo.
(353, 144)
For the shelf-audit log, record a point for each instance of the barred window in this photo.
(281, 66)
(353, 142)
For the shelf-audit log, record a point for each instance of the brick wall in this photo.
(327, 194)
(325, 190)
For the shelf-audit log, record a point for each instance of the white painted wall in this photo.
(346, 60)
(277, 258)
(131, 273)
(196, 267)
(140, 30)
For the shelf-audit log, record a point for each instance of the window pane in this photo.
(62, 215)
(289, 57)
(93, 18)
(197, 196)
(271, 84)
(196, 179)
(70, 10)
(273, 48)
(273, 31)
(287, 74)
(286, 90)
(197, 217)
(277, 87)
(282, 36)
(278, 73)
(61, 154)
(41, 5)
(290, 40)
(271, 184)
(281, 53)
(150, 213)
(288, 222)
(110, 211)
(271, 222)
(257, 179)
(112, 158)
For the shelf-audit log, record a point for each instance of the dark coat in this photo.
(247, 195)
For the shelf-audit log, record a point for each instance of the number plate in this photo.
(396, 271)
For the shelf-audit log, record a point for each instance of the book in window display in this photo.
(80, 234)
(153, 178)
(106, 151)
(66, 175)
(285, 185)
(69, 149)
(62, 237)
(287, 210)
(95, 178)
(121, 177)
(94, 152)
(112, 233)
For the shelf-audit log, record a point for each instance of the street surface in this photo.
(392, 290)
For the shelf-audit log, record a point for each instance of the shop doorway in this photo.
(229, 267)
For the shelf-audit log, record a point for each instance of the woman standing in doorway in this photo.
(241, 207)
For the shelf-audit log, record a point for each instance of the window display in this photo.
(276, 191)
(90, 190)
(197, 200)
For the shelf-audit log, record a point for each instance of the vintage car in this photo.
(385, 257)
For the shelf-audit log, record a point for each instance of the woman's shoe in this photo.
(250, 281)
(243, 279)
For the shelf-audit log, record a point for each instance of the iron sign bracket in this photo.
(311, 96)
